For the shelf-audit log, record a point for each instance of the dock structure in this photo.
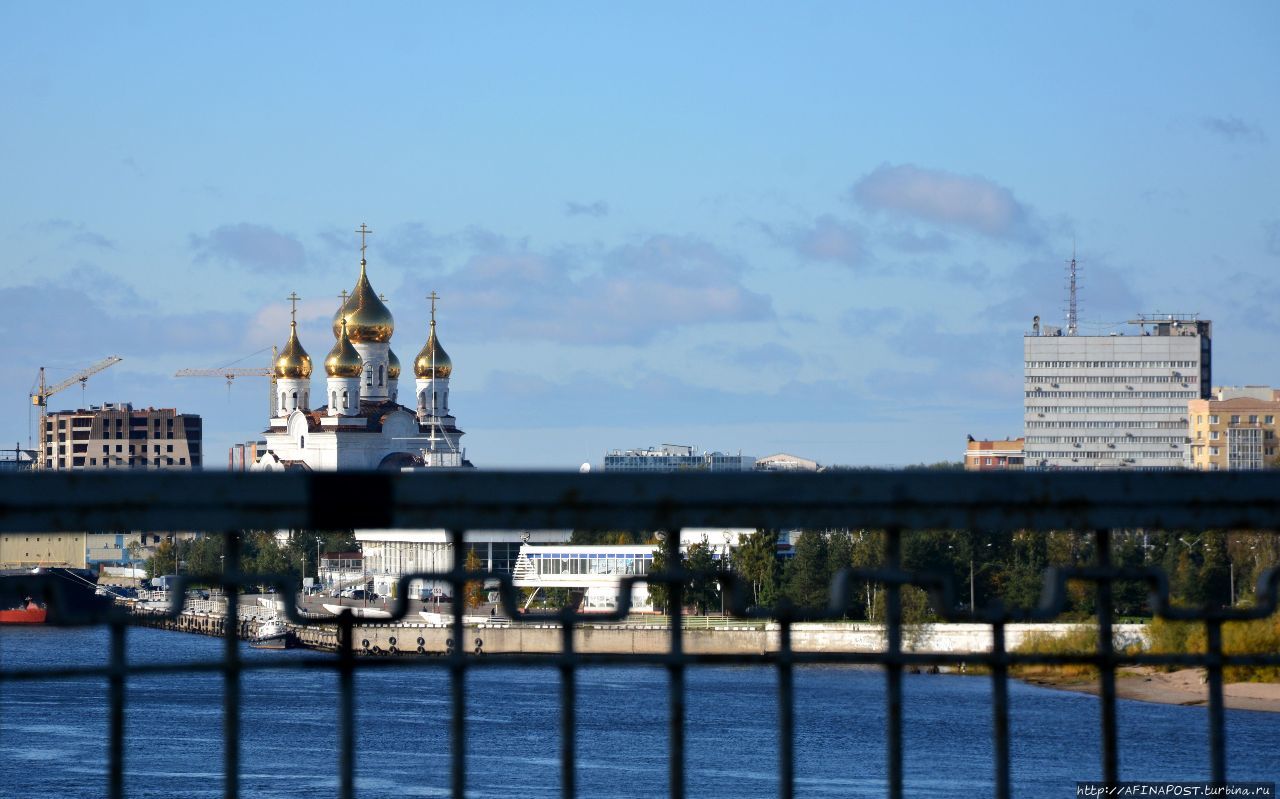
(642, 635)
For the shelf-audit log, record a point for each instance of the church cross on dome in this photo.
(433, 297)
(363, 231)
(293, 307)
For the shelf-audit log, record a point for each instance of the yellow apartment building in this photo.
(1235, 430)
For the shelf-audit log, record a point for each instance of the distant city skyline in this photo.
(818, 230)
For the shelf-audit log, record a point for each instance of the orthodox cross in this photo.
(363, 231)
(293, 306)
(433, 297)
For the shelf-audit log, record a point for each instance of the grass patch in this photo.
(1256, 637)
(1078, 640)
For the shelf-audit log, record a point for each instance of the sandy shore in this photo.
(1184, 687)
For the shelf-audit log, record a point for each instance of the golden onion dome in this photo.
(293, 362)
(431, 357)
(368, 319)
(393, 365)
(343, 360)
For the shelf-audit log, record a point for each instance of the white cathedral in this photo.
(362, 426)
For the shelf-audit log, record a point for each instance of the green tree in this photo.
(807, 575)
(1023, 578)
(1130, 596)
(1214, 578)
(660, 593)
(840, 556)
(755, 560)
(703, 590)
(609, 537)
(474, 595)
(868, 553)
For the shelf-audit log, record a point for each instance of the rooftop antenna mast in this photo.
(1073, 311)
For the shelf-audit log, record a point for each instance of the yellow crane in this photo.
(40, 397)
(230, 373)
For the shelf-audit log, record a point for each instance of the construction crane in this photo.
(40, 397)
(230, 373)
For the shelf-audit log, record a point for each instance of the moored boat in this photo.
(271, 634)
(49, 594)
(29, 613)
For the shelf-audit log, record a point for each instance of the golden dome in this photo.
(393, 365)
(368, 319)
(343, 360)
(423, 364)
(293, 362)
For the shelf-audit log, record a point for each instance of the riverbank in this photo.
(1183, 687)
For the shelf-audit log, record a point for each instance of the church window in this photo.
(368, 375)
(333, 399)
(281, 400)
(346, 403)
(302, 442)
(295, 401)
(379, 374)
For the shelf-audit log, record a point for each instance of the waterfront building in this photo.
(982, 455)
(595, 571)
(1117, 401)
(675, 458)
(782, 462)
(108, 551)
(388, 555)
(1235, 430)
(116, 435)
(341, 569)
(359, 423)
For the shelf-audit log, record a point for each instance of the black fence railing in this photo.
(225, 504)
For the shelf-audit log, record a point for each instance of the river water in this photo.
(53, 734)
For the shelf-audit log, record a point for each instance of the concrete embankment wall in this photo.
(517, 639)
(645, 639)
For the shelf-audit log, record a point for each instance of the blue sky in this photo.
(820, 230)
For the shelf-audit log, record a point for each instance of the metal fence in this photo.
(894, 502)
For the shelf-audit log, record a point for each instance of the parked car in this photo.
(358, 593)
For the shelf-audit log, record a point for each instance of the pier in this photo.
(638, 635)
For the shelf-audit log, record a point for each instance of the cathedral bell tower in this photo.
(369, 326)
(293, 370)
(344, 368)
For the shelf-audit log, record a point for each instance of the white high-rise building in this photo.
(1117, 401)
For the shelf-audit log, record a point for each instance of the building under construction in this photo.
(118, 436)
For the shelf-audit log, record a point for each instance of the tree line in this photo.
(260, 553)
(1212, 568)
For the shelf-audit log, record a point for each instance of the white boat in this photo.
(272, 634)
(361, 612)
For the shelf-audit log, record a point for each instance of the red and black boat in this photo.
(49, 595)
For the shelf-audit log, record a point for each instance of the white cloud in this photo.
(252, 247)
(625, 295)
(1233, 129)
(598, 208)
(945, 198)
(77, 233)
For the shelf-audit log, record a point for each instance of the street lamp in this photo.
(724, 567)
